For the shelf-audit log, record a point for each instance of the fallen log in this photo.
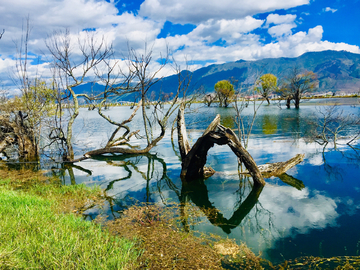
(278, 168)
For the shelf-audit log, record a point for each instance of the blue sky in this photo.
(202, 32)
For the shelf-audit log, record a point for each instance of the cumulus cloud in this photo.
(292, 45)
(229, 21)
(195, 12)
(280, 19)
(281, 30)
(228, 30)
(329, 9)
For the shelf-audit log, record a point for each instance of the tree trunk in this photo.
(288, 100)
(278, 168)
(193, 161)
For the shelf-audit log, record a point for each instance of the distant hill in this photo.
(337, 71)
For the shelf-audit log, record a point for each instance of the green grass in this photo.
(34, 235)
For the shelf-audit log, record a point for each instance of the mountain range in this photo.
(337, 71)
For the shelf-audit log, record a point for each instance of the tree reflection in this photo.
(156, 170)
(269, 124)
(153, 170)
(350, 156)
(197, 192)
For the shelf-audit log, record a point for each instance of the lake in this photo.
(313, 210)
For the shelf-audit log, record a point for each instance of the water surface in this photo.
(312, 210)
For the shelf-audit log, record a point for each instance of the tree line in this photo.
(293, 87)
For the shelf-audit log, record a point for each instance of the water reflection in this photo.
(149, 166)
(197, 192)
(269, 125)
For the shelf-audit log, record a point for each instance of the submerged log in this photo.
(278, 168)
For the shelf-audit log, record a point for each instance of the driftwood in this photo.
(278, 168)
(194, 159)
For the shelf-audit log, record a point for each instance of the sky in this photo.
(197, 32)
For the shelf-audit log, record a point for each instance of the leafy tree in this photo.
(297, 85)
(266, 85)
(225, 91)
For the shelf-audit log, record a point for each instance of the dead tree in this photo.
(194, 159)
(119, 143)
(71, 73)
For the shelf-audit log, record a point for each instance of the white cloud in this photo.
(280, 19)
(228, 20)
(329, 9)
(195, 12)
(281, 30)
(292, 45)
(228, 30)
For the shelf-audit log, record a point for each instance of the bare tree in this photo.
(154, 121)
(332, 124)
(297, 84)
(73, 70)
(209, 99)
(243, 122)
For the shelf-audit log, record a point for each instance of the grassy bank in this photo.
(39, 230)
(36, 233)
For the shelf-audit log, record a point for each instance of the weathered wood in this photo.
(184, 146)
(192, 166)
(193, 161)
(278, 168)
(243, 155)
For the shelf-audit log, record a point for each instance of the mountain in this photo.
(337, 71)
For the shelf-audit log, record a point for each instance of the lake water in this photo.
(318, 214)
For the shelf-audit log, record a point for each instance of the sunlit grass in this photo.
(33, 235)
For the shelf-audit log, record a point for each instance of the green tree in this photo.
(297, 85)
(266, 85)
(225, 91)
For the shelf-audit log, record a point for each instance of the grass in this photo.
(35, 232)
